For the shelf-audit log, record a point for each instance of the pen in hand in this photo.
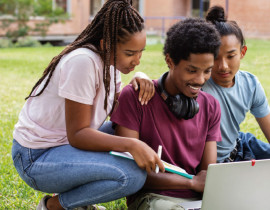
(159, 155)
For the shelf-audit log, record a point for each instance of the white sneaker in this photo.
(41, 205)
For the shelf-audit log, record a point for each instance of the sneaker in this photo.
(42, 205)
(91, 207)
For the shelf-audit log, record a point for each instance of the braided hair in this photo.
(216, 16)
(116, 21)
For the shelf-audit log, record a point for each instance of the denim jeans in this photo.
(107, 127)
(249, 147)
(80, 177)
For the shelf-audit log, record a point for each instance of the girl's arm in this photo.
(80, 135)
(147, 90)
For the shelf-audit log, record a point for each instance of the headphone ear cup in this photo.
(185, 107)
(180, 105)
(193, 108)
(177, 107)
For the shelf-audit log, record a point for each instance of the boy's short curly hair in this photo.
(192, 35)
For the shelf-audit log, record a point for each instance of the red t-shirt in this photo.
(182, 140)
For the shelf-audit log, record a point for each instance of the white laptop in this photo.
(235, 186)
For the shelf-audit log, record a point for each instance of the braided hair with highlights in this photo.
(116, 21)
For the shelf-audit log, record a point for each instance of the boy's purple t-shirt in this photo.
(182, 140)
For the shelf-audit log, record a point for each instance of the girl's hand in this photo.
(145, 157)
(147, 89)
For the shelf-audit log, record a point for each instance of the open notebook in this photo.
(168, 167)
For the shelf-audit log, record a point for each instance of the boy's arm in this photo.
(166, 180)
(209, 155)
(264, 124)
(169, 181)
(174, 181)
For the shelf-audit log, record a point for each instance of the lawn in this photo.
(21, 67)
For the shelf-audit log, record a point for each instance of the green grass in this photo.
(21, 67)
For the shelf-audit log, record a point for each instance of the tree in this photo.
(15, 16)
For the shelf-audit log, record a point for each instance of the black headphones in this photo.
(180, 105)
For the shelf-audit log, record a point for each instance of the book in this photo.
(168, 167)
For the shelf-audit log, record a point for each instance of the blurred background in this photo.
(58, 22)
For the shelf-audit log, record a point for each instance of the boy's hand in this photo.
(198, 181)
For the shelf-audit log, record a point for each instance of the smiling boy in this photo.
(180, 117)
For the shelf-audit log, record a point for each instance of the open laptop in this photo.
(235, 186)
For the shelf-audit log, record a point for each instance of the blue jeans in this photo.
(107, 127)
(249, 147)
(80, 177)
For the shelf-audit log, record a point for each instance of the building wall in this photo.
(159, 16)
(80, 10)
(166, 8)
(251, 15)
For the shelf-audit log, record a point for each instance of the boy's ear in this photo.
(169, 61)
(243, 51)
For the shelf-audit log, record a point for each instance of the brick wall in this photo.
(166, 10)
(253, 16)
(79, 20)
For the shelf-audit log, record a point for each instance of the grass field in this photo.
(21, 67)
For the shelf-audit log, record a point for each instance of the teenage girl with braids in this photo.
(57, 147)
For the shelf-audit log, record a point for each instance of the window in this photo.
(7, 9)
(136, 4)
(34, 9)
(95, 6)
(196, 7)
(64, 4)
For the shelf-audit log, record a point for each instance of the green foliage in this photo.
(21, 67)
(6, 43)
(27, 42)
(20, 12)
(22, 42)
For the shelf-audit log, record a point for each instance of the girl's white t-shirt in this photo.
(77, 77)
